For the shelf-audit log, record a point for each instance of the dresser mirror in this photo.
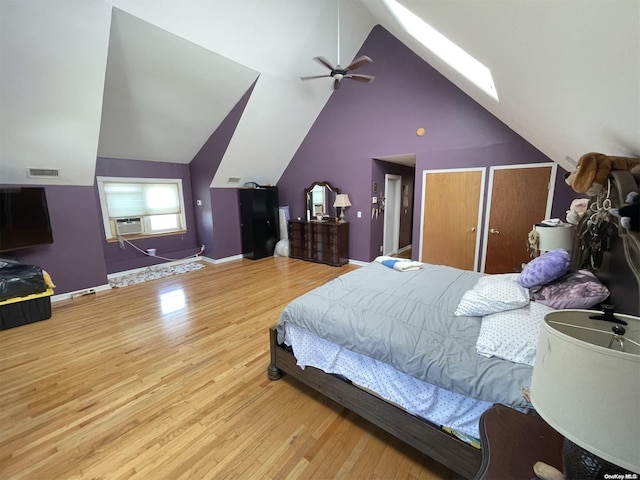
(319, 198)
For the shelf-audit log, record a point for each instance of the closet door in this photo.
(450, 217)
(519, 198)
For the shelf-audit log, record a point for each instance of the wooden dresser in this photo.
(322, 242)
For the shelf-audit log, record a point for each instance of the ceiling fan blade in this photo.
(314, 76)
(360, 78)
(358, 62)
(324, 62)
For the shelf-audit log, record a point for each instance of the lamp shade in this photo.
(586, 388)
(342, 200)
(552, 237)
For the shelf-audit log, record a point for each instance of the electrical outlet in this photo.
(380, 248)
(121, 243)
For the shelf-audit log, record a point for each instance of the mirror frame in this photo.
(307, 193)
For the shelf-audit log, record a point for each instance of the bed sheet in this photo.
(437, 405)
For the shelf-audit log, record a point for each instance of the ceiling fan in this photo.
(338, 72)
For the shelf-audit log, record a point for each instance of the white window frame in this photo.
(109, 223)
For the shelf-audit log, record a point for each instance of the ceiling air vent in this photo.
(43, 172)
(235, 180)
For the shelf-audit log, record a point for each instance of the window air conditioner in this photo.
(128, 226)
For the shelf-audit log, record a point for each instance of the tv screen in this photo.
(24, 218)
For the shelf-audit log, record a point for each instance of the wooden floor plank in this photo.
(167, 379)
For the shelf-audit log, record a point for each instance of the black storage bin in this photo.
(28, 311)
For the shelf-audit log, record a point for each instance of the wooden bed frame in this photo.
(620, 272)
(420, 434)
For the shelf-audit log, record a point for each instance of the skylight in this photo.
(448, 51)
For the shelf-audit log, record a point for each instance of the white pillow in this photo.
(491, 294)
(512, 335)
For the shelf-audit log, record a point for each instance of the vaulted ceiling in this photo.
(153, 80)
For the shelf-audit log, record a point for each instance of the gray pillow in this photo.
(579, 289)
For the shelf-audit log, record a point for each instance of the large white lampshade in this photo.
(587, 388)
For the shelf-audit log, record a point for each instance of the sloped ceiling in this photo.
(163, 95)
(156, 81)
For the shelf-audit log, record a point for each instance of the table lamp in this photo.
(556, 236)
(586, 385)
(342, 202)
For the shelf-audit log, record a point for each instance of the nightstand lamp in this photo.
(342, 202)
(555, 236)
(586, 385)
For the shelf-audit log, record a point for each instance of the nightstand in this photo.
(512, 442)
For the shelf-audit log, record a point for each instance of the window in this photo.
(448, 51)
(140, 206)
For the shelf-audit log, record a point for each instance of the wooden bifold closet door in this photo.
(519, 199)
(450, 217)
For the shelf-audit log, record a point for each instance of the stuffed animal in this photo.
(547, 472)
(577, 209)
(593, 169)
(629, 214)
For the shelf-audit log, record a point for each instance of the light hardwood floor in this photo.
(167, 379)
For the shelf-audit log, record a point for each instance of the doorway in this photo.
(393, 202)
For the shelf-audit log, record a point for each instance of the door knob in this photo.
(494, 231)
(472, 229)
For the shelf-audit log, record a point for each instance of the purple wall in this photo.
(363, 121)
(226, 222)
(169, 246)
(203, 167)
(75, 259)
(358, 123)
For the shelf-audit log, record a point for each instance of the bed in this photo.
(420, 325)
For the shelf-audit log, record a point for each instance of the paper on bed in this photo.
(407, 321)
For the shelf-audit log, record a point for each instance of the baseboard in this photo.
(358, 262)
(158, 265)
(217, 261)
(405, 248)
(79, 293)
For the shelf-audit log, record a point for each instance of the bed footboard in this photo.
(420, 434)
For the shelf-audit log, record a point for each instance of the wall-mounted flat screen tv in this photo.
(24, 218)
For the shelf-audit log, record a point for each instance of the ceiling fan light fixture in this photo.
(337, 72)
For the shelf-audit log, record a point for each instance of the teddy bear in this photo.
(629, 214)
(593, 169)
(577, 210)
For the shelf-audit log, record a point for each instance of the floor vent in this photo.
(43, 173)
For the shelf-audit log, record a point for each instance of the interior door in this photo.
(519, 198)
(391, 227)
(450, 218)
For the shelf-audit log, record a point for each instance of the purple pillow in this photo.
(579, 289)
(546, 268)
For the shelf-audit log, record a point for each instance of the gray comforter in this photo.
(406, 320)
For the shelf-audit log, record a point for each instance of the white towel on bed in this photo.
(399, 264)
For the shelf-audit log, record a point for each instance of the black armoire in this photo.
(259, 224)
